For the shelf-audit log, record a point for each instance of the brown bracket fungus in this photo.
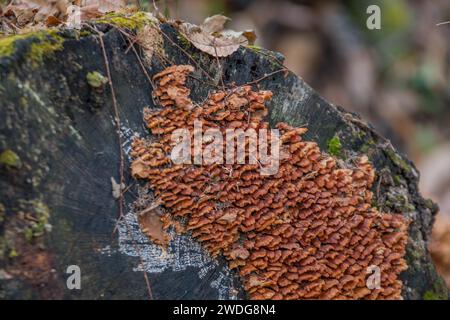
(307, 232)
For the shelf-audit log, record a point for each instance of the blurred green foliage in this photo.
(391, 41)
(424, 83)
(425, 139)
(393, 45)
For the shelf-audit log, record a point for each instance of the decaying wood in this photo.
(64, 134)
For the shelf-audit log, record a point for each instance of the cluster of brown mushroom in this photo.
(307, 232)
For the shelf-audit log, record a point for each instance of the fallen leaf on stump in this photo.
(211, 38)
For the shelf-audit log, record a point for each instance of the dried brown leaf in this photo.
(215, 23)
(52, 21)
(116, 188)
(152, 225)
(211, 37)
(220, 47)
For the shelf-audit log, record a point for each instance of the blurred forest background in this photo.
(397, 78)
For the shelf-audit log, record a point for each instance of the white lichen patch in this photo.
(181, 253)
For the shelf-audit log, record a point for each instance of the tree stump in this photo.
(59, 150)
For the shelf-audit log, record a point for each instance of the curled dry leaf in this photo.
(215, 23)
(211, 37)
(52, 21)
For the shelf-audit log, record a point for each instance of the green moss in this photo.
(9, 158)
(7, 44)
(44, 42)
(334, 146)
(397, 179)
(364, 148)
(13, 253)
(369, 144)
(133, 22)
(185, 43)
(28, 233)
(397, 200)
(438, 291)
(85, 33)
(430, 295)
(255, 48)
(40, 226)
(23, 102)
(274, 62)
(6, 243)
(96, 79)
(397, 160)
(48, 43)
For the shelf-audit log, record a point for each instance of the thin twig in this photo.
(161, 58)
(265, 77)
(146, 74)
(116, 117)
(122, 162)
(218, 64)
(125, 190)
(144, 70)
